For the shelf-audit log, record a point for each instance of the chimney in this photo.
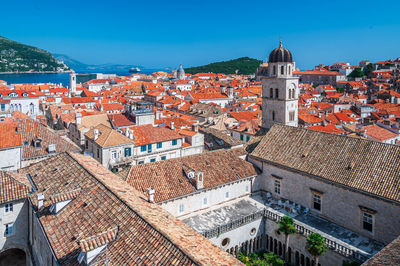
(199, 180)
(172, 125)
(127, 133)
(40, 199)
(195, 127)
(151, 192)
(158, 115)
(131, 134)
(96, 134)
(78, 118)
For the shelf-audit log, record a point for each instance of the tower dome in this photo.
(180, 73)
(280, 55)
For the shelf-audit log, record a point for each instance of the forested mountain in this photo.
(243, 65)
(18, 57)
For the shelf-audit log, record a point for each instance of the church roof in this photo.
(367, 166)
(280, 55)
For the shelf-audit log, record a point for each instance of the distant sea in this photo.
(63, 78)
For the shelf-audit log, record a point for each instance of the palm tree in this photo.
(316, 246)
(286, 226)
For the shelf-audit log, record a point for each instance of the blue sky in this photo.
(166, 33)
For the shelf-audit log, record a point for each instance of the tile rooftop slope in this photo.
(8, 135)
(107, 136)
(388, 256)
(120, 120)
(197, 248)
(11, 189)
(90, 121)
(169, 180)
(369, 166)
(214, 135)
(146, 134)
(378, 132)
(146, 233)
(31, 130)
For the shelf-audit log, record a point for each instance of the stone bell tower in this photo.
(280, 89)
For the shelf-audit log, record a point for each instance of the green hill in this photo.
(243, 65)
(18, 57)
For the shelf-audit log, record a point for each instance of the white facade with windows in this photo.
(13, 225)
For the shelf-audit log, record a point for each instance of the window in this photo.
(159, 145)
(316, 202)
(273, 115)
(163, 158)
(241, 137)
(205, 201)
(227, 194)
(174, 142)
(271, 93)
(114, 154)
(274, 70)
(253, 231)
(367, 221)
(143, 148)
(149, 148)
(247, 138)
(98, 153)
(3, 107)
(141, 162)
(225, 242)
(152, 160)
(86, 144)
(276, 93)
(282, 70)
(277, 186)
(290, 70)
(291, 115)
(9, 229)
(181, 208)
(247, 188)
(9, 207)
(128, 152)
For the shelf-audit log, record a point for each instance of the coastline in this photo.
(37, 72)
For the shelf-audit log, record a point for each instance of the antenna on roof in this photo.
(280, 42)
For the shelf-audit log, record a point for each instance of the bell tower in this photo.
(280, 89)
(72, 84)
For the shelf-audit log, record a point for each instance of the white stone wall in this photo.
(282, 105)
(239, 235)
(41, 250)
(339, 205)
(216, 196)
(10, 159)
(167, 149)
(24, 105)
(19, 217)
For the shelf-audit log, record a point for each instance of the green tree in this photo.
(356, 73)
(369, 69)
(286, 226)
(316, 246)
(273, 259)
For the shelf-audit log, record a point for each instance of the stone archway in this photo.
(13, 256)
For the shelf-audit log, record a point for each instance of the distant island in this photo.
(243, 65)
(79, 66)
(16, 57)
